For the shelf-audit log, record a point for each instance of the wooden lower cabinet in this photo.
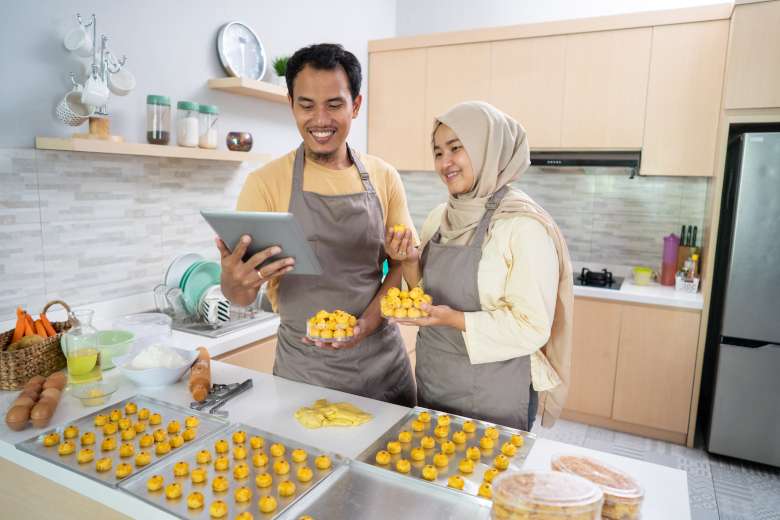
(259, 356)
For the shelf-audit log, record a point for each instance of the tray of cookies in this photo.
(123, 439)
(331, 327)
(449, 450)
(404, 305)
(357, 490)
(240, 470)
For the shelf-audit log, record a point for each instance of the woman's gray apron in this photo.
(499, 392)
(347, 234)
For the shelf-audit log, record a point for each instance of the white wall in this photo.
(171, 51)
(433, 16)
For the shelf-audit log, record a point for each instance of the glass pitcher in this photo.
(82, 349)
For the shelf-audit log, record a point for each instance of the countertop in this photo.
(652, 294)
(270, 406)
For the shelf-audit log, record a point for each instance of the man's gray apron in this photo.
(347, 234)
(497, 392)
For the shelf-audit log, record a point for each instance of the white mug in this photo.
(121, 82)
(95, 92)
(78, 41)
(72, 111)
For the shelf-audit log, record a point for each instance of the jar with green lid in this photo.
(158, 119)
(187, 124)
(208, 126)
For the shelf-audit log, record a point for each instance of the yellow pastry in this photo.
(424, 417)
(485, 490)
(427, 298)
(322, 462)
(473, 453)
(394, 447)
(340, 333)
(256, 442)
(516, 440)
(160, 435)
(124, 423)
(418, 454)
(203, 456)
(323, 314)
(239, 437)
(469, 427)
(326, 334)
(501, 462)
(508, 449)
(281, 467)
(104, 464)
(459, 437)
(181, 468)
(139, 427)
(52, 439)
(350, 332)
(199, 475)
(176, 441)
(423, 313)
(394, 292)
(66, 448)
(383, 458)
(403, 466)
(240, 471)
(466, 465)
(128, 434)
(394, 302)
(110, 428)
(246, 515)
(109, 443)
(418, 303)
(174, 427)
(387, 310)
(267, 504)
(143, 458)
(491, 474)
(400, 313)
(221, 463)
(173, 490)
(427, 442)
(448, 446)
(126, 450)
(314, 333)
(486, 442)
(418, 426)
(407, 303)
(243, 494)
(444, 420)
(131, 408)
(429, 473)
(277, 450)
(352, 321)
(88, 438)
(286, 488)
(260, 459)
(85, 455)
(441, 431)
(405, 436)
(162, 447)
(123, 470)
(195, 500)
(191, 421)
(305, 474)
(143, 413)
(219, 483)
(239, 453)
(115, 415)
(101, 419)
(188, 434)
(70, 432)
(403, 294)
(155, 419)
(155, 482)
(416, 293)
(263, 480)
(456, 481)
(413, 313)
(441, 459)
(492, 433)
(145, 440)
(298, 456)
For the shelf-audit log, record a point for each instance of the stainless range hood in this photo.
(583, 159)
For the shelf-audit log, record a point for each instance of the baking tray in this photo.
(472, 480)
(170, 412)
(361, 491)
(136, 485)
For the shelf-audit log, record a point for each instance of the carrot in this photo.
(19, 311)
(28, 327)
(21, 321)
(47, 325)
(40, 329)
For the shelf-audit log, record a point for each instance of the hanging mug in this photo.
(72, 111)
(95, 93)
(78, 41)
(121, 82)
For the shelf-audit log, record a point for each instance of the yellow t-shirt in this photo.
(269, 187)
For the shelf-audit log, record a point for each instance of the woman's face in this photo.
(451, 161)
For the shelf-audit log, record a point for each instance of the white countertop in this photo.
(270, 406)
(652, 294)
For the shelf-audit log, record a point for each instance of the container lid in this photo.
(145, 324)
(158, 100)
(187, 105)
(546, 488)
(611, 481)
(209, 109)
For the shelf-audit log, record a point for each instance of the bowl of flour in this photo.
(156, 365)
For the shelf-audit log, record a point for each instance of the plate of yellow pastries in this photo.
(240, 470)
(124, 439)
(331, 327)
(404, 305)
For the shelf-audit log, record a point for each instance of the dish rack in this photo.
(230, 319)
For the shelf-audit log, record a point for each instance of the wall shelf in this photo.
(250, 88)
(97, 146)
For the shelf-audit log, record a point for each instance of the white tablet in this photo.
(266, 230)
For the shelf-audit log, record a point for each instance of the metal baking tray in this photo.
(170, 412)
(472, 480)
(360, 491)
(136, 485)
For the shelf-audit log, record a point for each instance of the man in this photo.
(344, 202)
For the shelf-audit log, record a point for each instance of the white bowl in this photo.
(156, 376)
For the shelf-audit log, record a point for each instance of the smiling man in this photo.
(344, 202)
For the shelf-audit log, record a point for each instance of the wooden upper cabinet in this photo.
(687, 66)
(396, 108)
(454, 74)
(753, 79)
(605, 89)
(526, 82)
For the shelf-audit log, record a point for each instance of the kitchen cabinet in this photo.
(397, 129)
(259, 356)
(526, 82)
(753, 79)
(605, 89)
(687, 66)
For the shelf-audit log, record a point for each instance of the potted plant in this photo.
(280, 67)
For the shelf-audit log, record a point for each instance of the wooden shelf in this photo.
(97, 146)
(251, 88)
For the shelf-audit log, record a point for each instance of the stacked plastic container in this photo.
(150, 328)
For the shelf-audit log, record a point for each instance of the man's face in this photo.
(323, 110)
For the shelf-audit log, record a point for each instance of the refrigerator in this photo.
(741, 378)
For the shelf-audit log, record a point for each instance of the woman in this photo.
(499, 273)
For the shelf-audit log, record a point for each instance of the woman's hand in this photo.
(437, 315)
(399, 246)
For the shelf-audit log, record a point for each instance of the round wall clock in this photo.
(240, 51)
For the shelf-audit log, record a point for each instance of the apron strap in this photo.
(492, 205)
(297, 180)
(361, 169)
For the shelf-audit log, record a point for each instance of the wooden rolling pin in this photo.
(200, 376)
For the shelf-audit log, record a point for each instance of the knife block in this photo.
(683, 252)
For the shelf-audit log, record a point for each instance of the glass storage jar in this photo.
(82, 349)
(187, 124)
(208, 126)
(158, 119)
(545, 495)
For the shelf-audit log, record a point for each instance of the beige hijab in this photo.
(499, 153)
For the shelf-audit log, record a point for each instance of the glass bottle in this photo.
(207, 126)
(187, 124)
(158, 119)
(82, 349)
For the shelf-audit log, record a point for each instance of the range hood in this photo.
(593, 159)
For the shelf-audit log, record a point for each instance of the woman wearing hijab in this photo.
(499, 273)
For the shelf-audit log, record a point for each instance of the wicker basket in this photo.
(43, 359)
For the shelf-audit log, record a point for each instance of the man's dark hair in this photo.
(325, 56)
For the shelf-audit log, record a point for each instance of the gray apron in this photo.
(497, 392)
(347, 234)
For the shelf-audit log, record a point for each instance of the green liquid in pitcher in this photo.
(84, 366)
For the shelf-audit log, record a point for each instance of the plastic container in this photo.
(151, 327)
(314, 332)
(114, 343)
(669, 267)
(82, 349)
(158, 120)
(545, 495)
(207, 124)
(187, 124)
(622, 494)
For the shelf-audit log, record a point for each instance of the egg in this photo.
(37, 379)
(41, 414)
(57, 376)
(50, 401)
(17, 417)
(51, 392)
(34, 387)
(29, 393)
(54, 383)
(24, 401)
